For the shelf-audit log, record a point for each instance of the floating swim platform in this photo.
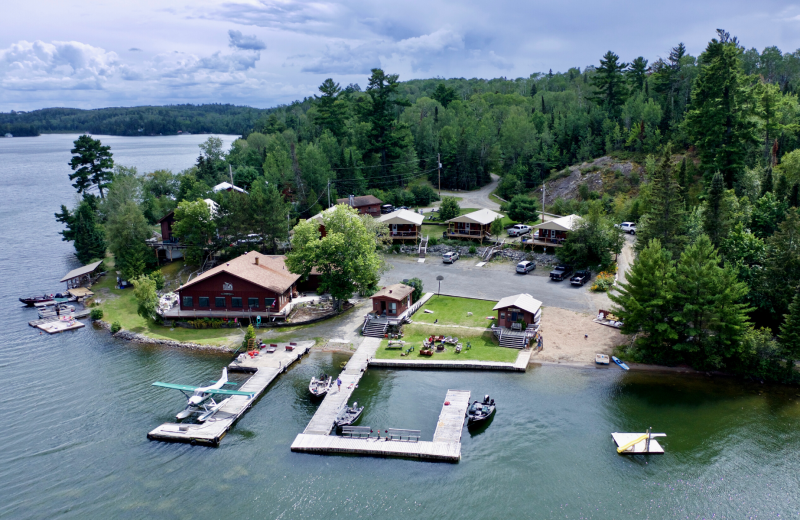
(636, 443)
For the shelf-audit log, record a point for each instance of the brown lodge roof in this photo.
(397, 292)
(270, 272)
(365, 200)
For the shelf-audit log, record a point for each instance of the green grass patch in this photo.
(484, 346)
(453, 311)
(120, 305)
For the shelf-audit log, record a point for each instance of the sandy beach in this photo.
(564, 342)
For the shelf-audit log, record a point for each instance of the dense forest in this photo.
(146, 120)
(716, 281)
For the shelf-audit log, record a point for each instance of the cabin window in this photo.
(219, 301)
(269, 302)
(502, 315)
(236, 303)
(203, 301)
(252, 303)
(187, 301)
(393, 308)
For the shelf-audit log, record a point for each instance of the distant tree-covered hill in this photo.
(146, 120)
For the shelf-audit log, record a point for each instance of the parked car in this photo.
(525, 267)
(581, 277)
(387, 208)
(628, 227)
(518, 229)
(450, 258)
(561, 272)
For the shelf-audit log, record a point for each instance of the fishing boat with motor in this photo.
(321, 385)
(348, 415)
(621, 364)
(33, 300)
(479, 412)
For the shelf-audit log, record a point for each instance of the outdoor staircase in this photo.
(375, 328)
(423, 247)
(490, 251)
(513, 339)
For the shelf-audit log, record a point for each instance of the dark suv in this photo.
(561, 272)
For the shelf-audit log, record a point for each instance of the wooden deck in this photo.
(54, 327)
(267, 367)
(446, 445)
(520, 365)
(76, 315)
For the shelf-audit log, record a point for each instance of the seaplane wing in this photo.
(185, 388)
(227, 392)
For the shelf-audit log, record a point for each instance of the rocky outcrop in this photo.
(603, 175)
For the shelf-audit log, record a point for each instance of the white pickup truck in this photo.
(518, 229)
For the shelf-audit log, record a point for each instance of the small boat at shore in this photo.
(348, 415)
(320, 386)
(621, 364)
(479, 412)
(601, 359)
(33, 300)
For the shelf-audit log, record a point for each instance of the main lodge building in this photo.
(244, 287)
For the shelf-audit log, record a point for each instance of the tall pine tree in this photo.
(612, 90)
(789, 338)
(715, 218)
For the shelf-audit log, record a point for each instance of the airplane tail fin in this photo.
(224, 378)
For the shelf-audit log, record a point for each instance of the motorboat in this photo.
(33, 300)
(478, 412)
(319, 386)
(348, 415)
(601, 359)
(621, 364)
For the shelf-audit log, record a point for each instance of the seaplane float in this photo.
(199, 398)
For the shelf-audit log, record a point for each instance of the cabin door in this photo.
(466, 228)
(394, 229)
(383, 307)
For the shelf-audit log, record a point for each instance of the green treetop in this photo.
(92, 164)
(610, 83)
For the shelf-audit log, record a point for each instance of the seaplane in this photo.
(200, 399)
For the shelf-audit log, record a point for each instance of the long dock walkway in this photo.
(322, 422)
(446, 444)
(266, 367)
(520, 365)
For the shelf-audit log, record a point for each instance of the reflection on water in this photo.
(76, 407)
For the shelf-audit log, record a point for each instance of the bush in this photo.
(449, 208)
(603, 282)
(424, 194)
(416, 283)
(473, 249)
(158, 278)
(115, 327)
(433, 241)
(509, 186)
(248, 335)
(96, 314)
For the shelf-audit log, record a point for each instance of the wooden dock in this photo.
(322, 422)
(446, 444)
(267, 367)
(520, 365)
(75, 315)
(54, 327)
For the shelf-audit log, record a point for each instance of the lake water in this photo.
(75, 409)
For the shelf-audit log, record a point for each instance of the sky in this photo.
(261, 53)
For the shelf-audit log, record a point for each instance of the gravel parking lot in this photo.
(493, 282)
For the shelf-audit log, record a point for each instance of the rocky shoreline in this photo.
(146, 340)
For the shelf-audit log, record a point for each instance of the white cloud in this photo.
(246, 42)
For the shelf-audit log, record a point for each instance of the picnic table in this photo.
(395, 344)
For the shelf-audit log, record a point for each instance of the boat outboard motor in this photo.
(492, 403)
(486, 398)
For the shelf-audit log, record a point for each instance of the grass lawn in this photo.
(120, 305)
(484, 346)
(453, 311)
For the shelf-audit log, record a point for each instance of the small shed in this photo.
(520, 307)
(472, 225)
(403, 224)
(393, 300)
(82, 275)
(366, 204)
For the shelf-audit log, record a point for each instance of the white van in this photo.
(525, 267)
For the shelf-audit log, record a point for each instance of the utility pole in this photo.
(230, 171)
(329, 193)
(542, 201)
(439, 162)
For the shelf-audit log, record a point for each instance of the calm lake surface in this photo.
(75, 409)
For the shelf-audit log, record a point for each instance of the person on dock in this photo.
(338, 384)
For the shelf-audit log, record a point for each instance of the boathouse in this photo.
(366, 205)
(392, 301)
(403, 224)
(245, 287)
(472, 225)
(81, 276)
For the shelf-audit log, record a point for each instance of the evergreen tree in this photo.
(534, 89)
(87, 235)
(684, 179)
(666, 218)
(330, 111)
(781, 274)
(644, 302)
(443, 94)
(767, 184)
(127, 231)
(719, 122)
(92, 164)
(637, 73)
(715, 221)
(523, 209)
(709, 314)
(789, 337)
(383, 135)
(610, 83)
(267, 215)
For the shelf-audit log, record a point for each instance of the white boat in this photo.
(320, 386)
(601, 359)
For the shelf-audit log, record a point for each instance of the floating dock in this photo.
(265, 368)
(621, 439)
(446, 445)
(74, 315)
(54, 327)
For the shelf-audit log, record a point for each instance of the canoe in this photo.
(622, 365)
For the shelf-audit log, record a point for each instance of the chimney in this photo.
(390, 291)
(256, 260)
